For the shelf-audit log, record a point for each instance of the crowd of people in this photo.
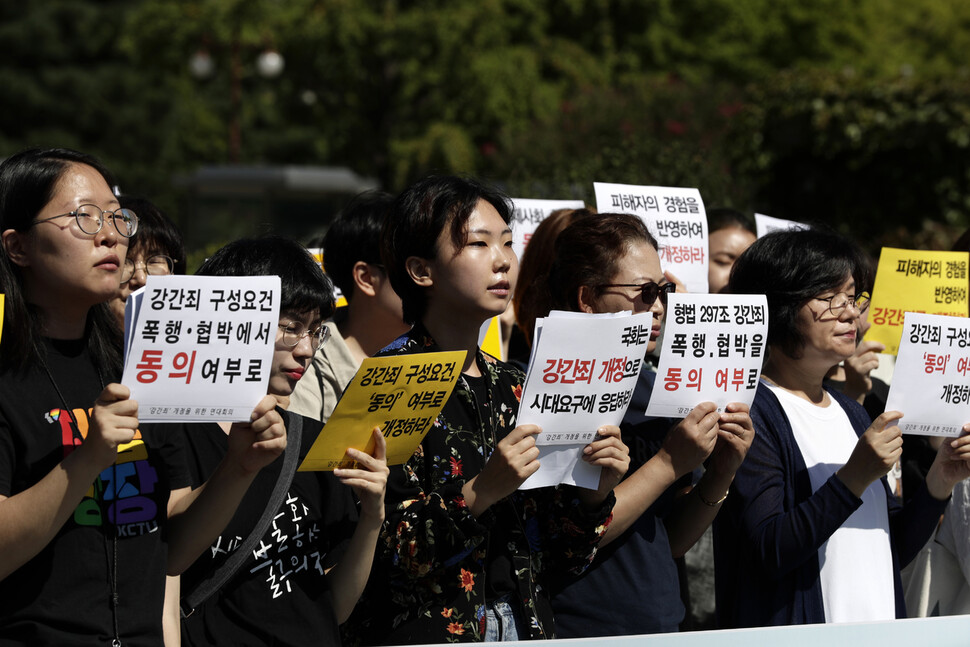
(126, 533)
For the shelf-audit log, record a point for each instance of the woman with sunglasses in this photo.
(308, 570)
(93, 512)
(609, 263)
(811, 531)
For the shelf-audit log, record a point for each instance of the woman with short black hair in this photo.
(811, 531)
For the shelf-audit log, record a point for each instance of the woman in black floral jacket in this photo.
(465, 555)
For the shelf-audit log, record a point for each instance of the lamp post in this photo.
(269, 65)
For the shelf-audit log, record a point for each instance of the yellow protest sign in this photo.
(1, 316)
(402, 395)
(910, 280)
(491, 341)
(317, 254)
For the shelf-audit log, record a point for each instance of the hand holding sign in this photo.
(876, 451)
(691, 441)
(369, 478)
(254, 445)
(511, 463)
(613, 456)
(113, 423)
(950, 466)
(735, 433)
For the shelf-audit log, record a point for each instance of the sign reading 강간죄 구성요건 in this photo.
(400, 394)
(200, 348)
(931, 381)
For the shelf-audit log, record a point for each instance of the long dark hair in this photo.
(28, 181)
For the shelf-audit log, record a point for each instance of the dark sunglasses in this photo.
(649, 290)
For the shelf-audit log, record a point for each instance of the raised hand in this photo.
(254, 445)
(876, 451)
(511, 463)
(369, 478)
(114, 421)
(609, 452)
(691, 441)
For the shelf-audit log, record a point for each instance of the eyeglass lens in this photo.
(90, 220)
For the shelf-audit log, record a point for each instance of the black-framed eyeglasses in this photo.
(158, 265)
(649, 290)
(90, 219)
(294, 331)
(839, 302)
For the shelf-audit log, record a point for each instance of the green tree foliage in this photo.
(794, 108)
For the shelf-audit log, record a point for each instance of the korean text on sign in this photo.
(582, 373)
(931, 381)
(199, 348)
(714, 345)
(915, 281)
(402, 395)
(676, 218)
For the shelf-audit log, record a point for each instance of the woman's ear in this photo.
(419, 269)
(13, 244)
(585, 299)
(364, 278)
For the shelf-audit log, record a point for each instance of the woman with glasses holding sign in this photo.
(811, 531)
(609, 263)
(304, 574)
(93, 512)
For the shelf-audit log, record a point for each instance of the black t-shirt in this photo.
(61, 596)
(279, 596)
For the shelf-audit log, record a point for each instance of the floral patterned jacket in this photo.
(428, 580)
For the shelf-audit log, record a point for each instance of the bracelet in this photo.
(712, 504)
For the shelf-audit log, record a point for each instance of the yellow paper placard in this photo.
(1, 316)
(402, 395)
(910, 280)
(491, 343)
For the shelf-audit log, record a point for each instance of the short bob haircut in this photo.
(587, 254)
(419, 216)
(28, 181)
(791, 268)
(304, 285)
(156, 233)
(355, 236)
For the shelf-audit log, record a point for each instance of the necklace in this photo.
(111, 556)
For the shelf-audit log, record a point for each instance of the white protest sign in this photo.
(582, 373)
(931, 382)
(676, 218)
(200, 348)
(528, 213)
(712, 352)
(766, 224)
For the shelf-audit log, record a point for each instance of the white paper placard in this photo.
(676, 218)
(582, 373)
(931, 382)
(766, 224)
(712, 351)
(528, 213)
(200, 348)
